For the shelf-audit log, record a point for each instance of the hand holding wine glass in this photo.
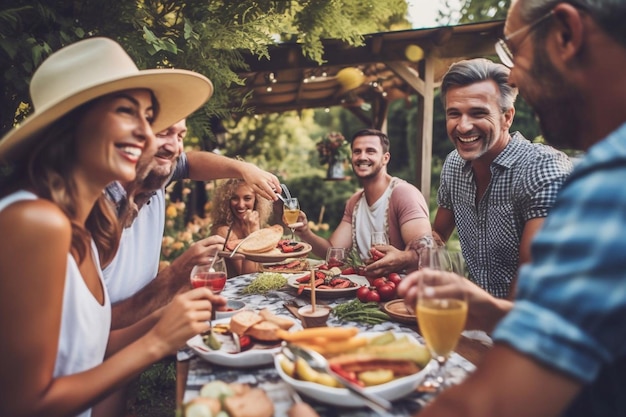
(441, 319)
(211, 275)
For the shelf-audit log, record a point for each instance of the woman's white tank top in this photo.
(85, 323)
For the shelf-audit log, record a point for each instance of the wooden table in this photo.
(470, 351)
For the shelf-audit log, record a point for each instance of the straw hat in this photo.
(95, 67)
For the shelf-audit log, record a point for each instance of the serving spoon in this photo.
(319, 363)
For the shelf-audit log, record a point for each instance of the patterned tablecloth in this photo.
(267, 378)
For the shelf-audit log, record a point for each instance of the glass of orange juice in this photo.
(441, 308)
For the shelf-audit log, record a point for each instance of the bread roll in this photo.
(262, 240)
(282, 322)
(244, 320)
(264, 331)
(254, 403)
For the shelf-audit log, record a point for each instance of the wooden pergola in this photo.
(388, 66)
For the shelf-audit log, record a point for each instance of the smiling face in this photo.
(154, 171)
(368, 158)
(475, 122)
(113, 133)
(242, 200)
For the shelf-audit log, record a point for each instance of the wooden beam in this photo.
(424, 140)
(410, 77)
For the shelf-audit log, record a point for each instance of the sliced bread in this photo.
(264, 331)
(244, 320)
(254, 403)
(282, 322)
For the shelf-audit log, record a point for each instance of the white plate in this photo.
(245, 359)
(391, 391)
(325, 293)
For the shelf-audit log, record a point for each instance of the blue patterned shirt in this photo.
(525, 180)
(570, 310)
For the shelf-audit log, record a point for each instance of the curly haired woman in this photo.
(238, 207)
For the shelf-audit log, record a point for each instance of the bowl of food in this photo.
(407, 359)
(231, 307)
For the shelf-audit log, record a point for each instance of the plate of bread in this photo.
(254, 343)
(268, 245)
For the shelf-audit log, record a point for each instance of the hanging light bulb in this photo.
(349, 79)
(414, 53)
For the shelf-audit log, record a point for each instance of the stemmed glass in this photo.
(379, 238)
(441, 309)
(335, 257)
(211, 275)
(291, 211)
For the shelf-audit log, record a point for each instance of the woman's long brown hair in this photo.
(47, 171)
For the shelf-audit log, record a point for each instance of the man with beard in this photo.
(561, 350)
(385, 204)
(135, 285)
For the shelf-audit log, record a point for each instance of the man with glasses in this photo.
(561, 350)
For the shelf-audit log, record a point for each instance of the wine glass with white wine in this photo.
(441, 315)
(291, 211)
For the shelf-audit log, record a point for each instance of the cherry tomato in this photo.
(373, 296)
(348, 271)
(362, 293)
(391, 284)
(378, 282)
(386, 292)
(395, 278)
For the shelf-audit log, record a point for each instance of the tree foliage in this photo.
(208, 37)
(469, 11)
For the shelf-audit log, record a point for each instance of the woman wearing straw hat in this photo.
(95, 113)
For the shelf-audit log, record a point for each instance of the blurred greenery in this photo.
(207, 37)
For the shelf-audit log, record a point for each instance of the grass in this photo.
(153, 394)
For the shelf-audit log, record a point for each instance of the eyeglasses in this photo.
(502, 49)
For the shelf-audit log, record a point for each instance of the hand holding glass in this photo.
(441, 317)
(212, 275)
(291, 211)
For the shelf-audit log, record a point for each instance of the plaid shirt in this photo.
(525, 180)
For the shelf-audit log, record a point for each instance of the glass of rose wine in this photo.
(441, 309)
(211, 275)
(291, 211)
(335, 257)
